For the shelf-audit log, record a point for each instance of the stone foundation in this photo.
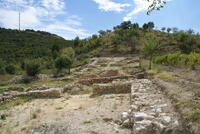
(49, 93)
(111, 88)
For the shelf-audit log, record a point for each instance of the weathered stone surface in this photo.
(149, 113)
(124, 116)
(43, 87)
(22, 79)
(107, 79)
(20, 89)
(73, 88)
(115, 88)
(52, 92)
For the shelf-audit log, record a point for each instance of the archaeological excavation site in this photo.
(108, 96)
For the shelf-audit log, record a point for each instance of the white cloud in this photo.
(53, 4)
(41, 15)
(108, 5)
(140, 6)
(64, 30)
(74, 20)
(29, 18)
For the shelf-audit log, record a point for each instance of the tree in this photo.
(145, 26)
(125, 25)
(150, 49)
(169, 30)
(55, 51)
(101, 32)
(68, 52)
(135, 26)
(150, 25)
(175, 30)
(155, 5)
(163, 29)
(32, 68)
(66, 59)
(10, 69)
(186, 41)
(2, 66)
(55, 47)
(63, 62)
(76, 42)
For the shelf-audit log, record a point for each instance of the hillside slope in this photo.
(18, 45)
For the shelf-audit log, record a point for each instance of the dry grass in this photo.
(165, 76)
(193, 116)
(15, 102)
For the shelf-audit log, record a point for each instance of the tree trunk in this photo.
(140, 64)
(193, 67)
(69, 70)
(150, 62)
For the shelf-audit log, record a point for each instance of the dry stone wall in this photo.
(150, 112)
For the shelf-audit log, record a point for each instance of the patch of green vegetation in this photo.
(34, 116)
(190, 104)
(15, 102)
(59, 108)
(194, 115)
(179, 59)
(86, 91)
(165, 76)
(155, 67)
(87, 121)
(175, 93)
(4, 116)
(114, 106)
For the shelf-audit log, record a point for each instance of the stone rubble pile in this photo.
(150, 113)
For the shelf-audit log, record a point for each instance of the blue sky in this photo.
(71, 18)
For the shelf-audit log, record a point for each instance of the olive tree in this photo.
(150, 49)
(65, 60)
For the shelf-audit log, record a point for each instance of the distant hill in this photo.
(28, 44)
(126, 38)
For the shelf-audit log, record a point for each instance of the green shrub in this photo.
(34, 116)
(2, 70)
(32, 68)
(10, 69)
(23, 65)
(178, 59)
(2, 67)
(160, 59)
(27, 80)
(63, 62)
(4, 116)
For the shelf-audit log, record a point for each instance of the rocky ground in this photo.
(107, 96)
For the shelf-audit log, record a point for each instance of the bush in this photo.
(2, 70)
(2, 67)
(178, 59)
(32, 68)
(63, 62)
(4, 116)
(23, 65)
(10, 69)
